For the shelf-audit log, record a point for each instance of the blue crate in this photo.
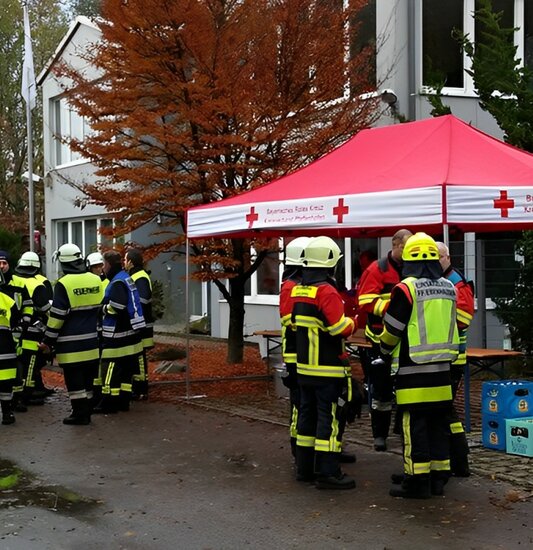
(508, 398)
(493, 431)
(519, 436)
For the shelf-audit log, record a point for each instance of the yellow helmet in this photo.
(420, 247)
(321, 252)
(294, 251)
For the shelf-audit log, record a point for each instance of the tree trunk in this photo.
(236, 321)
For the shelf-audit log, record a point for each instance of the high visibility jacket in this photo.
(318, 314)
(465, 309)
(288, 333)
(421, 331)
(373, 293)
(38, 308)
(47, 284)
(144, 286)
(72, 325)
(9, 318)
(22, 298)
(123, 318)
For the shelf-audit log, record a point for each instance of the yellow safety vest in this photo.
(433, 341)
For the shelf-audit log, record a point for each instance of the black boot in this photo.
(107, 405)
(397, 478)
(337, 481)
(380, 422)
(329, 473)
(123, 402)
(140, 390)
(459, 455)
(347, 458)
(417, 486)
(7, 412)
(305, 463)
(438, 481)
(17, 404)
(80, 413)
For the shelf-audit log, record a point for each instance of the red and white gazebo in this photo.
(428, 175)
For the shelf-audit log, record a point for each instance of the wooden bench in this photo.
(484, 360)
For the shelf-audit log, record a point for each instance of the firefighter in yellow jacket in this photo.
(420, 336)
(9, 319)
(71, 330)
(134, 265)
(40, 293)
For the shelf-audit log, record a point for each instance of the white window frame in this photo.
(72, 221)
(468, 89)
(264, 299)
(62, 116)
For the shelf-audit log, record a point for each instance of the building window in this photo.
(506, 8)
(364, 38)
(501, 267)
(66, 124)
(85, 234)
(443, 63)
(357, 41)
(268, 282)
(263, 286)
(528, 35)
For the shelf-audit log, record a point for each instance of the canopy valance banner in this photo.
(421, 175)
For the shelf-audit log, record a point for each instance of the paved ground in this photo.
(485, 462)
(273, 406)
(191, 475)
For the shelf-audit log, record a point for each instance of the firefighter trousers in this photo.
(79, 378)
(458, 443)
(426, 445)
(320, 425)
(380, 392)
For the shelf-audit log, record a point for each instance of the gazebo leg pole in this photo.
(187, 323)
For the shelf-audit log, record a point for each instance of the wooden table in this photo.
(484, 360)
(272, 337)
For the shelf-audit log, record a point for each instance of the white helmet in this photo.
(94, 258)
(29, 259)
(321, 252)
(67, 253)
(294, 251)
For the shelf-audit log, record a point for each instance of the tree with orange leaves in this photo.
(199, 100)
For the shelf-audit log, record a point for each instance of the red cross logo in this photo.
(340, 210)
(504, 204)
(252, 217)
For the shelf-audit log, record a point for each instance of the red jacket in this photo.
(373, 293)
(318, 313)
(288, 334)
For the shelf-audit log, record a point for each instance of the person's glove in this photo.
(354, 406)
(351, 401)
(288, 378)
(382, 361)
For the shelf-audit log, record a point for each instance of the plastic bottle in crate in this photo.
(508, 398)
(493, 431)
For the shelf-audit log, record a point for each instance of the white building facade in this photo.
(413, 43)
(69, 217)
